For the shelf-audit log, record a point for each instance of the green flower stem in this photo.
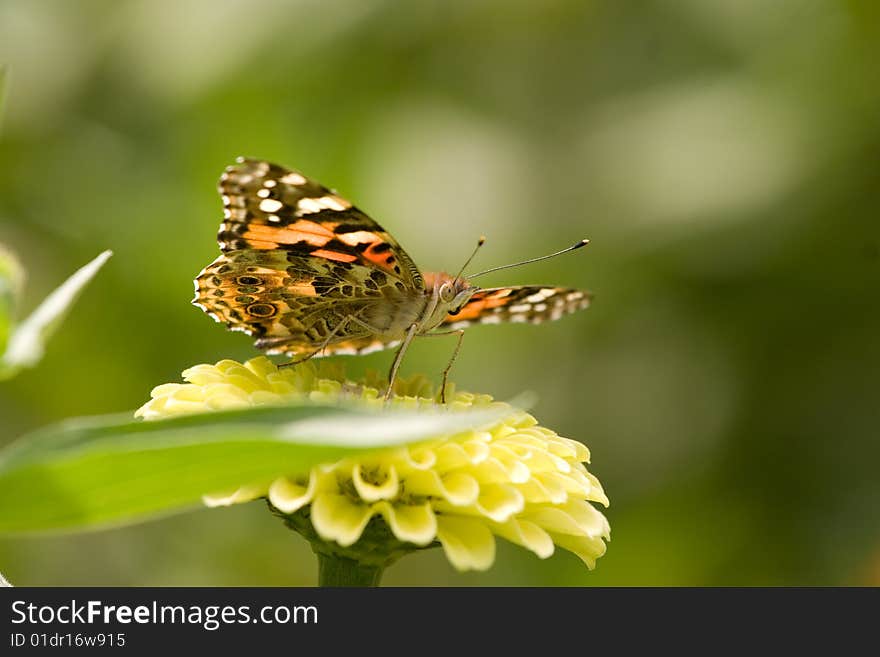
(339, 571)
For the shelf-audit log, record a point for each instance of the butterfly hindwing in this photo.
(526, 303)
(289, 309)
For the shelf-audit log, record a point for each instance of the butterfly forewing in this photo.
(268, 207)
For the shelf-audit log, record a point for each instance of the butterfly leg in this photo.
(460, 334)
(398, 357)
(449, 366)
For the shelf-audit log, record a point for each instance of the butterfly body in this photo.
(308, 274)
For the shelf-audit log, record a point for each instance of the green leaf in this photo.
(11, 279)
(89, 473)
(26, 344)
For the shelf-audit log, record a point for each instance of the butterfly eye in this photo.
(446, 293)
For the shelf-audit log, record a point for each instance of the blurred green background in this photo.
(722, 156)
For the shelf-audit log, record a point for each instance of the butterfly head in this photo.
(449, 293)
(455, 292)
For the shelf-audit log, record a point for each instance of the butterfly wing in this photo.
(268, 207)
(526, 303)
(299, 260)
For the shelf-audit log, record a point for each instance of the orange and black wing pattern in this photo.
(533, 304)
(269, 207)
(297, 261)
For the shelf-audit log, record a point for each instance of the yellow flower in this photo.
(517, 480)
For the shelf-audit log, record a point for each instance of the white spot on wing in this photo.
(357, 237)
(541, 295)
(293, 178)
(336, 203)
(312, 205)
(270, 205)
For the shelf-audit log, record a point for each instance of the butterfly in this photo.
(308, 274)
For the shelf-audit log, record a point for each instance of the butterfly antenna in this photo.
(578, 245)
(480, 243)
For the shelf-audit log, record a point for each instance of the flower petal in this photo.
(477, 449)
(457, 488)
(262, 367)
(336, 518)
(467, 542)
(588, 549)
(527, 534)
(590, 520)
(419, 457)
(499, 501)
(451, 456)
(576, 517)
(534, 492)
(288, 495)
(493, 471)
(412, 523)
(237, 496)
(555, 489)
(375, 482)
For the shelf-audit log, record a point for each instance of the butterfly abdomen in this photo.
(392, 317)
